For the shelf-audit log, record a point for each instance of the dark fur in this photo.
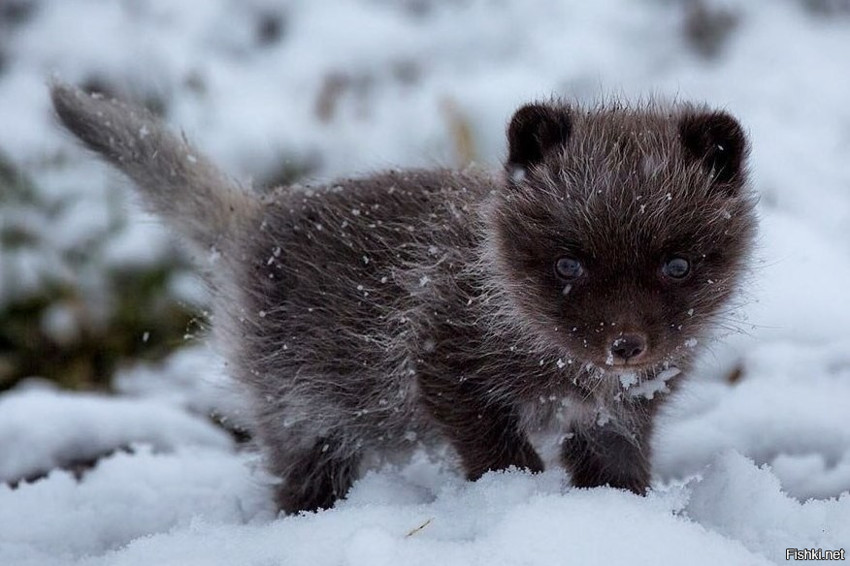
(371, 314)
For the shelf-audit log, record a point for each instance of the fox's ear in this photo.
(717, 141)
(534, 130)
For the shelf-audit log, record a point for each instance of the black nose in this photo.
(628, 347)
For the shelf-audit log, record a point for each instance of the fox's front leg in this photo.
(486, 436)
(609, 455)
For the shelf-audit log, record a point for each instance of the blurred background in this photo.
(289, 91)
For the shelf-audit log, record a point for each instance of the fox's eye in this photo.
(568, 268)
(676, 268)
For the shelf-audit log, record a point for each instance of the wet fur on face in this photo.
(626, 190)
(370, 316)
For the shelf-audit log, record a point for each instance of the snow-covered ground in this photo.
(744, 470)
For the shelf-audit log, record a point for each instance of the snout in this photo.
(628, 349)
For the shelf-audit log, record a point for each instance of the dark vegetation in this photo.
(142, 321)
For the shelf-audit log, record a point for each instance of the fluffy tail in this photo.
(175, 181)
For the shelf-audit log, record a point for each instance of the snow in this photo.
(737, 499)
(658, 384)
(44, 429)
(62, 520)
(743, 470)
(200, 506)
(791, 411)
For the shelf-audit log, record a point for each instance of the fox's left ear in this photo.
(534, 131)
(718, 142)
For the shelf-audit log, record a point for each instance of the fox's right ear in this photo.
(717, 141)
(534, 130)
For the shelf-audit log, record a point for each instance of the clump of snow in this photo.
(628, 379)
(658, 384)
